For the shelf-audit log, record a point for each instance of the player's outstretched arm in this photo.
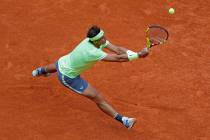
(128, 56)
(116, 49)
(116, 58)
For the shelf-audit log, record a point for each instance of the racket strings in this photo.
(157, 35)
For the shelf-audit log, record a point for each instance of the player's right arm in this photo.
(116, 58)
(116, 49)
(125, 57)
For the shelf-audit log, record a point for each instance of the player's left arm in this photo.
(116, 49)
(120, 50)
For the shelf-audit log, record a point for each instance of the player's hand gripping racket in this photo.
(156, 35)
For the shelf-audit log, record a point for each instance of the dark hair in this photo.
(93, 31)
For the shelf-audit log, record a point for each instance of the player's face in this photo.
(101, 41)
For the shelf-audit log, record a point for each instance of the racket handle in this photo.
(148, 43)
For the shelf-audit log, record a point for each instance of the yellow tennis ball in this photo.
(171, 10)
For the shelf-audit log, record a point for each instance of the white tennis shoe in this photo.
(128, 122)
(37, 72)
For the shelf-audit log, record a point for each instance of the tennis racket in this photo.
(156, 35)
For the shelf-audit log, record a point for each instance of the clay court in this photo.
(168, 91)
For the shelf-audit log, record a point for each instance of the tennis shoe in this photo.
(128, 122)
(37, 72)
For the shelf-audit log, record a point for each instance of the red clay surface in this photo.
(168, 92)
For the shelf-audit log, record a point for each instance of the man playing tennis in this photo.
(83, 57)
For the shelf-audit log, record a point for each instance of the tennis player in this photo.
(83, 57)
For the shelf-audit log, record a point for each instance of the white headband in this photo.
(98, 36)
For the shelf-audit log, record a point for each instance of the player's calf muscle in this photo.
(50, 68)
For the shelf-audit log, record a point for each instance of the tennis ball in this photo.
(171, 11)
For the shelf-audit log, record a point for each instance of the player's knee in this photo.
(94, 95)
(97, 98)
